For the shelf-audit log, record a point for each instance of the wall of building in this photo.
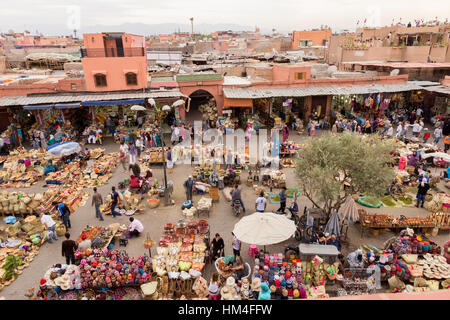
(285, 73)
(115, 68)
(202, 47)
(318, 37)
(213, 87)
(2, 64)
(439, 54)
(64, 85)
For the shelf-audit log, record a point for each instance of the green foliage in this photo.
(334, 166)
(10, 265)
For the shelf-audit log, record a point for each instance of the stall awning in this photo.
(43, 107)
(236, 103)
(67, 106)
(111, 102)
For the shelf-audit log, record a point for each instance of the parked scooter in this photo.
(236, 207)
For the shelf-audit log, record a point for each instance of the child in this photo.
(426, 136)
(214, 285)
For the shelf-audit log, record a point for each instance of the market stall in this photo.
(181, 256)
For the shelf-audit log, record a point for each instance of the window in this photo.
(305, 43)
(131, 78)
(299, 76)
(73, 86)
(100, 80)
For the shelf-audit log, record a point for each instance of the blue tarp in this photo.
(111, 102)
(43, 107)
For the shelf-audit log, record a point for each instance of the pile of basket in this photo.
(19, 203)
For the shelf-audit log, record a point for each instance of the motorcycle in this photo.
(236, 207)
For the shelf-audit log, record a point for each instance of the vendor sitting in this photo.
(135, 184)
(49, 167)
(239, 269)
(333, 241)
(85, 243)
(92, 136)
(355, 259)
(135, 228)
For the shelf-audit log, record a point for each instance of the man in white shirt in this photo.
(390, 131)
(135, 228)
(50, 225)
(419, 112)
(399, 130)
(124, 147)
(437, 135)
(416, 129)
(261, 203)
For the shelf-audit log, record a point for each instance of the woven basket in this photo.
(60, 230)
(153, 203)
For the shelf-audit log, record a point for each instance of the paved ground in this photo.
(221, 220)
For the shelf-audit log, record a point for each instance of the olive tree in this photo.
(332, 167)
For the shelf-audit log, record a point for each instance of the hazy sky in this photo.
(281, 14)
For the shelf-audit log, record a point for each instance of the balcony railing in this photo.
(112, 52)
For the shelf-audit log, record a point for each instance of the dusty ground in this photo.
(221, 220)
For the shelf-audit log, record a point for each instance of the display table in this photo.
(308, 251)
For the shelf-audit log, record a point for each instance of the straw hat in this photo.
(256, 284)
(230, 282)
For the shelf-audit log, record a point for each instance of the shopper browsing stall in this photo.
(115, 201)
(50, 225)
(422, 190)
(135, 228)
(85, 243)
(64, 213)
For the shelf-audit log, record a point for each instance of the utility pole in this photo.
(192, 28)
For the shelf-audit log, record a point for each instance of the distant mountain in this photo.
(145, 29)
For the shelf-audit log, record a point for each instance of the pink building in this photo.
(114, 61)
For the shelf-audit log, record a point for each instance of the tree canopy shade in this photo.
(334, 166)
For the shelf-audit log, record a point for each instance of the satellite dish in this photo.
(332, 69)
(395, 72)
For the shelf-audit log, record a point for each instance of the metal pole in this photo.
(166, 191)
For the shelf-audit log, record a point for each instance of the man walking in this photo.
(437, 134)
(115, 201)
(97, 201)
(64, 213)
(236, 246)
(261, 203)
(236, 196)
(188, 185)
(68, 249)
(282, 196)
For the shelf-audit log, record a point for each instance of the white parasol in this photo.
(151, 101)
(177, 103)
(166, 108)
(442, 155)
(349, 210)
(138, 108)
(264, 228)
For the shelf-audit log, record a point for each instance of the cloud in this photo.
(281, 15)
